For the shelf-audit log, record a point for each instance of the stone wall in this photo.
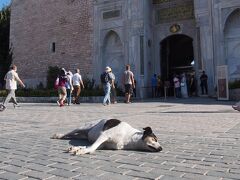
(37, 24)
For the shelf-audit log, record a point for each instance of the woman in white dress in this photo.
(184, 90)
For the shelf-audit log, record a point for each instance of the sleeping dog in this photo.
(112, 134)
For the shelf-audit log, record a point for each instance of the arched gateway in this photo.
(113, 54)
(177, 55)
(232, 44)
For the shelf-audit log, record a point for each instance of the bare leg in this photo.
(75, 134)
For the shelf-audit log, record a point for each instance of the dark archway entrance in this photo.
(176, 56)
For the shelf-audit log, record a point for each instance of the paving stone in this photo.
(17, 163)
(224, 175)
(135, 168)
(64, 173)
(37, 175)
(115, 176)
(64, 166)
(162, 172)
(190, 170)
(14, 169)
(129, 161)
(112, 169)
(143, 174)
(42, 162)
(38, 167)
(90, 172)
(158, 166)
(3, 159)
(171, 178)
(12, 176)
(200, 177)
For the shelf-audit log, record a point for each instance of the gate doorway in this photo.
(176, 56)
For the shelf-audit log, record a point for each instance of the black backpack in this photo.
(105, 78)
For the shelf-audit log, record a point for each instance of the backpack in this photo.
(105, 78)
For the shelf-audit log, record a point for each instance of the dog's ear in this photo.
(147, 132)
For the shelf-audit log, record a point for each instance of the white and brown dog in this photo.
(112, 134)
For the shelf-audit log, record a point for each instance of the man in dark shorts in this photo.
(128, 80)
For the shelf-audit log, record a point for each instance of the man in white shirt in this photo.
(77, 83)
(11, 79)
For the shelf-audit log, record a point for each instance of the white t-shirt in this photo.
(11, 80)
(127, 77)
(76, 79)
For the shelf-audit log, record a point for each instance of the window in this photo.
(53, 47)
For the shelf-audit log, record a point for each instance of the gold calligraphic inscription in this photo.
(111, 14)
(174, 13)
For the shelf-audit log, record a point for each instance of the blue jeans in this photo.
(107, 91)
(69, 96)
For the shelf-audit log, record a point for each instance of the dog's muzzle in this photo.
(159, 149)
(155, 149)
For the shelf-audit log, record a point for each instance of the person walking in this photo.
(204, 83)
(159, 86)
(12, 79)
(113, 94)
(128, 81)
(69, 87)
(192, 85)
(106, 83)
(77, 85)
(154, 82)
(177, 86)
(184, 88)
(62, 92)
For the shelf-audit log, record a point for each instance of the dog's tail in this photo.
(57, 136)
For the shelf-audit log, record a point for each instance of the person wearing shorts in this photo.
(128, 80)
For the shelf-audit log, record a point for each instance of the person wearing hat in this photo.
(106, 83)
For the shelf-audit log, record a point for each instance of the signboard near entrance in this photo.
(222, 82)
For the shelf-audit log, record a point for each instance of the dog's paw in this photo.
(80, 151)
(72, 149)
(57, 136)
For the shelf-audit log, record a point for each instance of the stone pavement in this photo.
(200, 140)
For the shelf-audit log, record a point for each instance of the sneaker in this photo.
(16, 105)
(2, 107)
(235, 107)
